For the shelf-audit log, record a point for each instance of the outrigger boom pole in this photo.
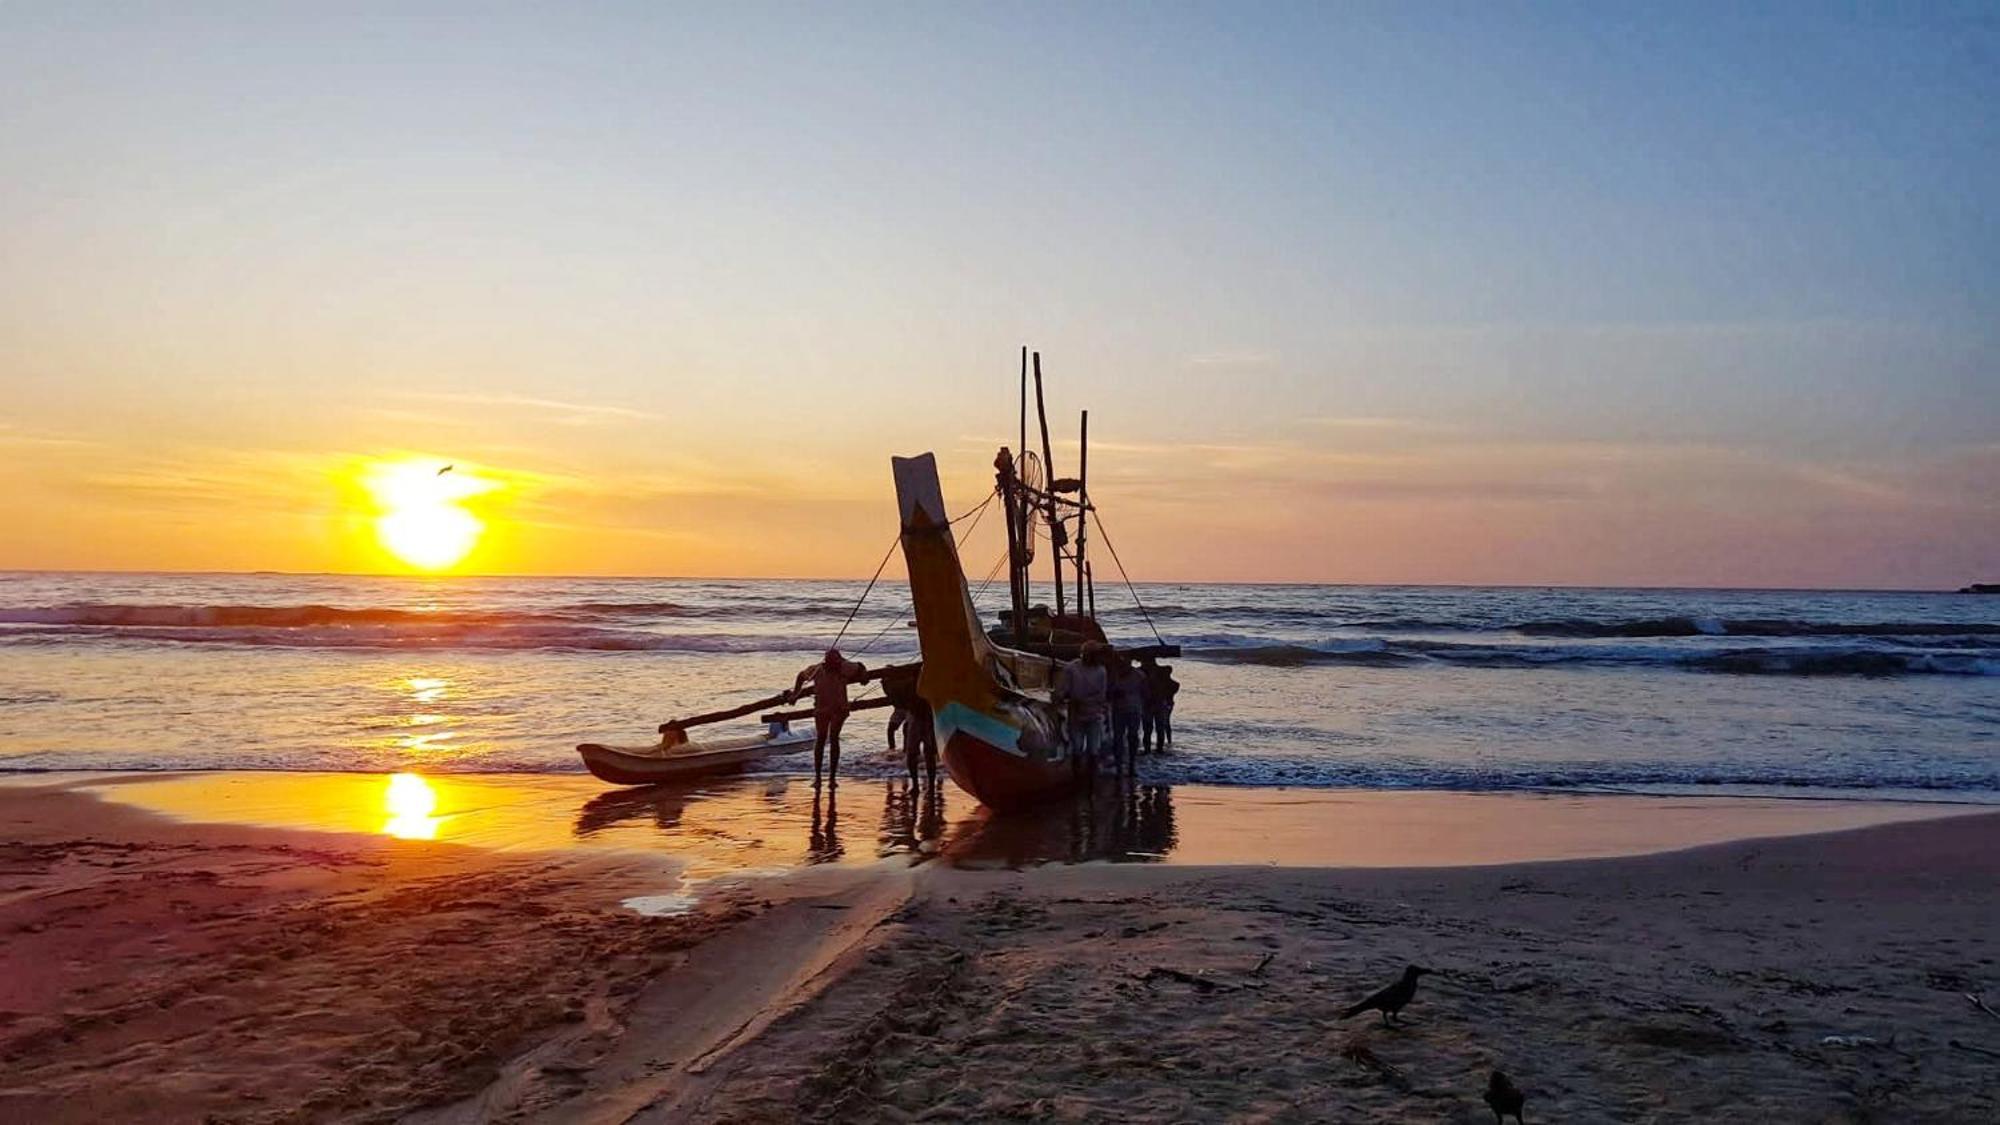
(782, 697)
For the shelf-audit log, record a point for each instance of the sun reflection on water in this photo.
(411, 801)
(427, 689)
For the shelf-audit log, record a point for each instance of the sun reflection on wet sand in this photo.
(411, 801)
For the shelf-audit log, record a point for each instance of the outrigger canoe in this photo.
(666, 761)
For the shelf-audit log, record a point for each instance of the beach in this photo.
(1720, 959)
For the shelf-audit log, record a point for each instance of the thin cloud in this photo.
(1365, 422)
(572, 413)
(1233, 359)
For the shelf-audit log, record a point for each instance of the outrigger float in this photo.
(1000, 735)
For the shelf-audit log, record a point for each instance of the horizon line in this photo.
(859, 578)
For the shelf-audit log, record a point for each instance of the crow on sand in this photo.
(1390, 1000)
(1504, 1098)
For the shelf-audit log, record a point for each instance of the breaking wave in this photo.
(242, 616)
(1279, 636)
(1713, 627)
(1774, 661)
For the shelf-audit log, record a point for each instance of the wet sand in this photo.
(469, 956)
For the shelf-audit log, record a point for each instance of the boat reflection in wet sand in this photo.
(762, 821)
(1116, 824)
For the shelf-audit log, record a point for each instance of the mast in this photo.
(1056, 533)
(1082, 513)
(1017, 567)
(1021, 450)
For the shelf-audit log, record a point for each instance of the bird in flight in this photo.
(446, 469)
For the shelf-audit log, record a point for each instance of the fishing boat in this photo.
(998, 731)
(671, 761)
(674, 757)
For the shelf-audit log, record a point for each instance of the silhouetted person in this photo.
(1158, 722)
(1504, 1099)
(1082, 687)
(919, 731)
(1390, 1000)
(1128, 711)
(829, 679)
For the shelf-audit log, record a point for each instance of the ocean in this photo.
(1803, 693)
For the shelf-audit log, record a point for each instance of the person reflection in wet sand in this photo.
(930, 822)
(899, 819)
(824, 844)
(912, 818)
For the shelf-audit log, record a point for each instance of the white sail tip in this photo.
(918, 491)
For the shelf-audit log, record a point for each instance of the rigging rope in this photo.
(990, 575)
(864, 592)
(977, 514)
(1128, 578)
(974, 514)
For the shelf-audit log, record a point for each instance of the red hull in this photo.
(1001, 781)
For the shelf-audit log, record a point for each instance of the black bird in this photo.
(1504, 1098)
(444, 470)
(1390, 1000)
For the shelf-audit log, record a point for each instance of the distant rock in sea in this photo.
(1981, 588)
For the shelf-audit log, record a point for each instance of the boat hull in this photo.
(1002, 781)
(649, 765)
(1010, 758)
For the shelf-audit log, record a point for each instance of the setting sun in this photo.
(422, 519)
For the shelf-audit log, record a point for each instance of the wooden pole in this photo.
(771, 701)
(1048, 482)
(1019, 534)
(1017, 570)
(794, 716)
(1021, 450)
(1083, 497)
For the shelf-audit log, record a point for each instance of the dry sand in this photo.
(164, 971)
(1696, 986)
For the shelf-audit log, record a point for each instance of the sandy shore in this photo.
(176, 971)
(1695, 986)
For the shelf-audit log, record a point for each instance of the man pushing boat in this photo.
(829, 679)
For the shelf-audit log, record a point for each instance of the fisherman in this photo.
(1161, 687)
(829, 679)
(1081, 688)
(913, 717)
(1128, 712)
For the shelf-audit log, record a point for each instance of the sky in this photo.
(1693, 294)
